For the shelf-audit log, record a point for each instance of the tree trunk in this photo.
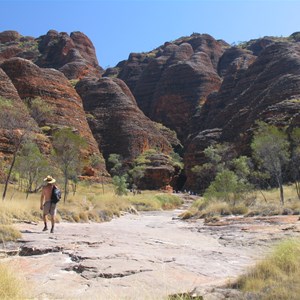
(298, 189)
(279, 181)
(9, 173)
(66, 189)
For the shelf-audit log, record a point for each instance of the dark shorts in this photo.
(49, 208)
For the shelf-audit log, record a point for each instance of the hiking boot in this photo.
(45, 228)
(52, 230)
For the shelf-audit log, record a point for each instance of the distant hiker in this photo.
(47, 206)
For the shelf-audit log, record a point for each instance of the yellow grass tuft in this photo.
(277, 276)
(9, 233)
(12, 286)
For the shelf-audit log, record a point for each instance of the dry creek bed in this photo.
(145, 256)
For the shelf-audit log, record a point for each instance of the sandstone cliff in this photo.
(265, 88)
(172, 81)
(204, 89)
(51, 86)
(74, 54)
(117, 123)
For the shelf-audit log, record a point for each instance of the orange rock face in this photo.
(173, 81)
(74, 54)
(117, 123)
(265, 88)
(54, 88)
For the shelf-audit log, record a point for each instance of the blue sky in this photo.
(119, 27)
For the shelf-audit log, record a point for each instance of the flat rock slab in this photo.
(145, 256)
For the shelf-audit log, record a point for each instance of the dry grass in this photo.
(12, 286)
(8, 233)
(277, 276)
(89, 203)
(202, 208)
(264, 203)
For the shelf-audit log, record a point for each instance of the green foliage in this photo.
(214, 153)
(270, 148)
(137, 173)
(153, 157)
(96, 160)
(12, 117)
(225, 175)
(176, 160)
(18, 126)
(46, 129)
(120, 185)
(241, 166)
(90, 117)
(68, 145)
(74, 82)
(39, 110)
(31, 165)
(169, 134)
(115, 164)
(295, 158)
(5, 104)
(29, 45)
(184, 296)
(218, 158)
(223, 187)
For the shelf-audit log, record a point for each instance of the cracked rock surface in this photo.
(145, 256)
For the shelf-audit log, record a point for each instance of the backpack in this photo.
(56, 195)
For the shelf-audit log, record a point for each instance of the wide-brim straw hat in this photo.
(49, 179)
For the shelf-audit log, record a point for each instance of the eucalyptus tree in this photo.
(270, 148)
(67, 152)
(16, 126)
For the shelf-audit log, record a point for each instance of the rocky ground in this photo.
(145, 256)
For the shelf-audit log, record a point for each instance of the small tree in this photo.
(15, 124)
(218, 157)
(136, 174)
(115, 164)
(120, 185)
(31, 166)
(225, 184)
(271, 150)
(96, 161)
(68, 146)
(295, 158)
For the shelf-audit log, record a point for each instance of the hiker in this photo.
(47, 207)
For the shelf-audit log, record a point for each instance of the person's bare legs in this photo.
(45, 222)
(52, 223)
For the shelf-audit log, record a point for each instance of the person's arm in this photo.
(42, 199)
